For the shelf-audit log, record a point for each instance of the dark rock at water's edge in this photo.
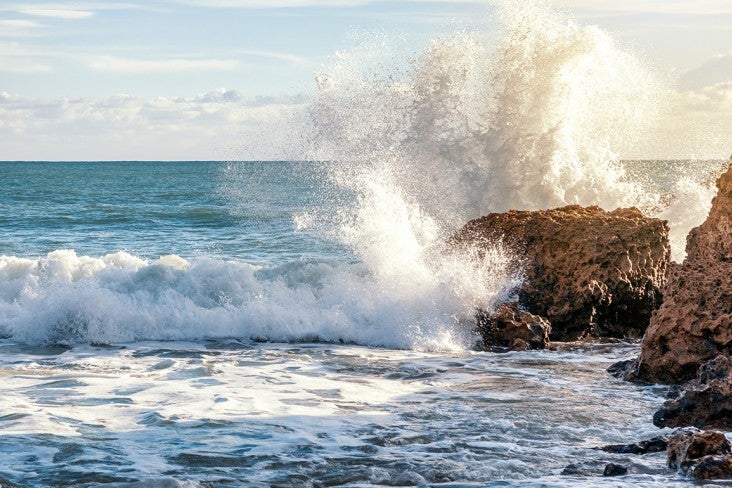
(588, 271)
(613, 469)
(705, 402)
(700, 454)
(694, 323)
(656, 444)
(509, 327)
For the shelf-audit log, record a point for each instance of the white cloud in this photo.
(696, 125)
(207, 126)
(129, 65)
(18, 27)
(8, 65)
(717, 69)
(58, 13)
(286, 57)
(686, 7)
(272, 3)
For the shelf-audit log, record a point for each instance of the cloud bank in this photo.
(218, 125)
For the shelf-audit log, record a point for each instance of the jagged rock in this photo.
(513, 328)
(613, 469)
(705, 402)
(701, 454)
(656, 444)
(713, 467)
(694, 323)
(588, 271)
(687, 446)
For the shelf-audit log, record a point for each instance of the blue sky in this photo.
(194, 79)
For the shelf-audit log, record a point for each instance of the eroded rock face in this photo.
(702, 454)
(588, 271)
(705, 402)
(694, 324)
(509, 327)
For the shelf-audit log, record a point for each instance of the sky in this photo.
(215, 79)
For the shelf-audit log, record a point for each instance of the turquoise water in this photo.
(198, 324)
(229, 210)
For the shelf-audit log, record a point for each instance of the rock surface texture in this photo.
(694, 323)
(588, 271)
(705, 403)
(509, 327)
(701, 454)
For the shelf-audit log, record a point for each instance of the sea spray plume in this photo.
(566, 101)
(466, 130)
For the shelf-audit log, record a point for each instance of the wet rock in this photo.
(705, 402)
(687, 446)
(656, 444)
(573, 470)
(588, 271)
(713, 467)
(694, 324)
(626, 369)
(613, 469)
(513, 328)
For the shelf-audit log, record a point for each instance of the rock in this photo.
(573, 470)
(687, 446)
(694, 324)
(704, 403)
(512, 328)
(613, 469)
(626, 369)
(713, 467)
(656, 444)
(588, 271)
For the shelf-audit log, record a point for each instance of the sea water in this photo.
(303, 323)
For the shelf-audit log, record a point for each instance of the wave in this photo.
(67, 299)
(471, 126)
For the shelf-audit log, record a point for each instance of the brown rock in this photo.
(588, 271)
(713, 467)
(687, 446)
(513, 328)
(705, 402)
(694, 324)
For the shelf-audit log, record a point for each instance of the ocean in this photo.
(191, 324)
(304, 322)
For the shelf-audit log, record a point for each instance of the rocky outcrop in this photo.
(694, 324)
(588, 271)
(701, 454)
(509, 327)
(705, 402)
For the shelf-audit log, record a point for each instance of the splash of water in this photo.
(536, 120)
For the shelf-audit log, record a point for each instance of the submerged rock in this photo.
(588, 271)
(705, 402)
(513, 328)
(694, 324)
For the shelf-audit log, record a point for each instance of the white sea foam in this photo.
(535, 120)
(68, 299)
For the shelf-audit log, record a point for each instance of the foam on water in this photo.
(230, 412)
(68, 299)
(536, 119)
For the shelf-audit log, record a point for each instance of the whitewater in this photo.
(303, 322)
